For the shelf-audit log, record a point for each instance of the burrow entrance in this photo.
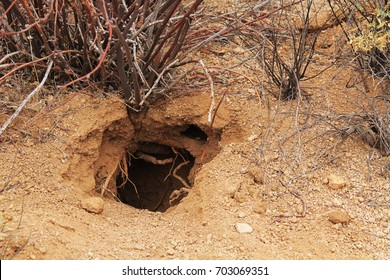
(157, 170)
(155, 177)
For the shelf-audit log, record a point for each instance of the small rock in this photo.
(336, 226)
(41, 249)
(339, 217)
(239, 50)
(15, 181)
(259, 207)
(328, 203)
(336, 182)
(139, 247)
(258, 174)
(359, 245)
(244, 170)
(325, 181)
(334, 247)
(171, 252)
(93, 205)
(230, 190)
(337, 202)
(360, 199)
(252, 137)
(241, 214)
(240, 197)
(243, 228)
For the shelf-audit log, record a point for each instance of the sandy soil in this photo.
(274, 180)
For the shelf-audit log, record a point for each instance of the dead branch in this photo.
(212, 94)
(29, 96)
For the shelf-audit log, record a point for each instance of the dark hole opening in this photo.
(194, 132)
(374, 128)
(151, 181)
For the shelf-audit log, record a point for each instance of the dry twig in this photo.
(29, 96)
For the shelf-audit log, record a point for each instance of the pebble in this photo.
(337, 202)
(328, 203)
(336, 182)
(258, 174)
(252, 137)
(240, 197)
(241, 214)
(41, 249)
(336, 226)
(333, 248)
(360, 199)
(339, 217)
(359, 245)
(171, 251)
(243, 228)
(230, 190)
(139, 247)
(93, 205)
(15, 181)
(259, 207)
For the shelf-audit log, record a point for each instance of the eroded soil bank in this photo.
(267, 179)
(48, 173)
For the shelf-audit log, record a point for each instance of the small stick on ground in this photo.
(212, 105)
(297, 195)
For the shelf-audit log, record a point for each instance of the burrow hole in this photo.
(156, 176)
(194, 132)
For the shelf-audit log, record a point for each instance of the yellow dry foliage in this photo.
(375, 34)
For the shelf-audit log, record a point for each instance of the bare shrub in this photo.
(127, 45)
(284, 45)
(366, 27)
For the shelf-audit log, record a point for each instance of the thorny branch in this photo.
(133, 46)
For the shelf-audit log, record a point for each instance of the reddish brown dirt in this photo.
(266, 163)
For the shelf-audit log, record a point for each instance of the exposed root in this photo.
(153, 159)
(109, 177)
(176, 195)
